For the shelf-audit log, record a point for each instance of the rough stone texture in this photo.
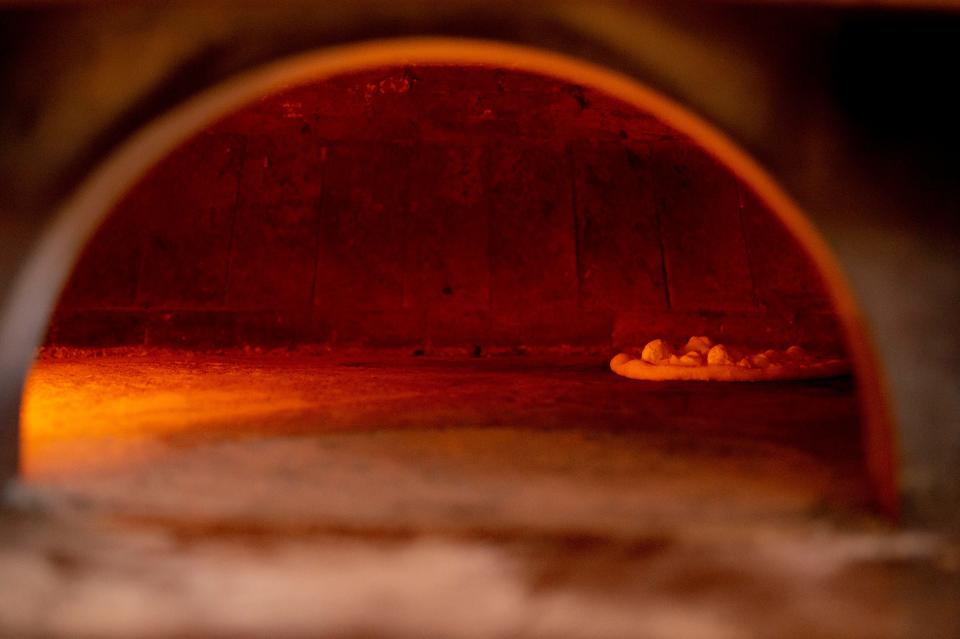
(174, 494)
(277, 223)
(283, 236)
(533, 260)
(188, 215)
(783, 276)
(448, 222)
(441, 206)
(192, 328)
(704, 250)
(109, 272)
(620, 257)
(361, 236)
(90, 327)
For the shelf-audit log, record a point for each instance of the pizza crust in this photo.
(701, 360)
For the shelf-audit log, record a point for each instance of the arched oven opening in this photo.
(345, 363)
(390, 298)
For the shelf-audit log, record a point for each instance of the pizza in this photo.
(702, 360)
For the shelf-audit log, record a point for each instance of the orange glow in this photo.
(78, 416)
(95, 424)
(80, 215)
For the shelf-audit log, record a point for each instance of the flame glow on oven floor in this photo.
(458, 437)
(197, 495)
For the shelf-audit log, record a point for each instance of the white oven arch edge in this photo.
(40, 281)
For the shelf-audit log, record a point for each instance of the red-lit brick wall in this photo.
(433, 207)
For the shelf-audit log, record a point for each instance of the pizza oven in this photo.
(320, 329)
(406, 229)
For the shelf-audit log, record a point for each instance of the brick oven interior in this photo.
(355, 338)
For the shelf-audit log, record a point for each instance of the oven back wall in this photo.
(433, 207)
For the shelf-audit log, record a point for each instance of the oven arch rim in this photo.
(52, 259)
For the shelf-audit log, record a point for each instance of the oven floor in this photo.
(365, 495)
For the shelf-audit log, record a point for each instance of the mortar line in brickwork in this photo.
(234, 214)
(486, 182)
(746, 246)
(663, 250)
(408, 151)
(576, 223)
(141, 266)
(318, 231)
